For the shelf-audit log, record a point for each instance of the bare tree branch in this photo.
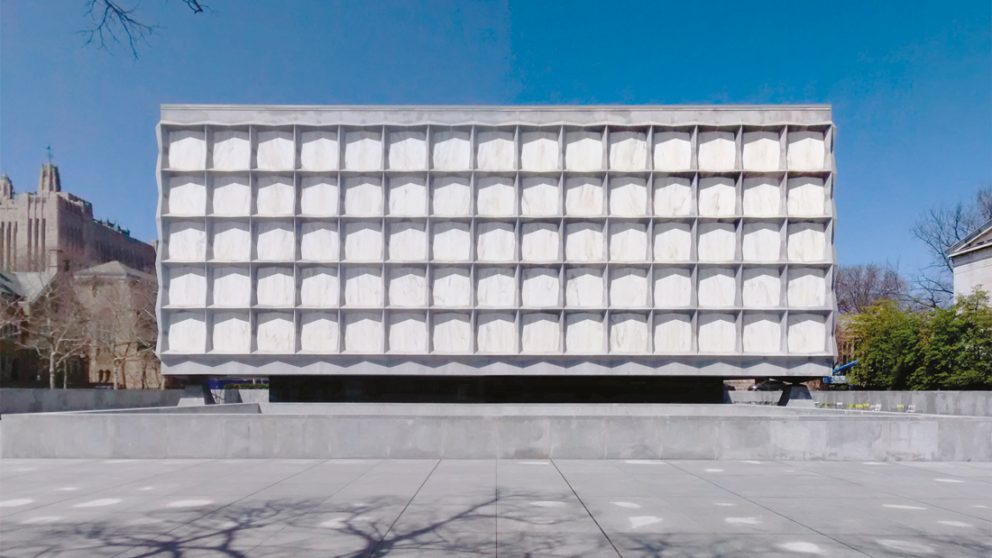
(113, 22)
(860, 286)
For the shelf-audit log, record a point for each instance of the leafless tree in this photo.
(114, 22)
(122, 323)
(939, 229)
(860, 286)
(55, 327)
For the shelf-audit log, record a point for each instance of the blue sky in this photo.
(910, 83)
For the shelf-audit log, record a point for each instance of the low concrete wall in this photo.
(967, 403)
(32, 400)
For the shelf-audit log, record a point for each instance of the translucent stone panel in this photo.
(452, 286)
(497, 333)
(496, 242)
(717, 196)
(231, 150)
(496, 287)
(628, 196)
(407, 241)
(807, 150)
(584, 195)
(717, 242)
(540, 288)
(452, 150)
(584, 287)
(807, 333)
(672, 151)
(407, 195)
(807, 288)
(275, 333)
(319, 150)
(407, 286)
(807, 242)
(495, 150)
(187, 286)
(539, 195)
(628, 151)
(275, 286)
(187, 150)
(187, 195)
(672, 333)
(231, 287)
(319, 332)
(762, 242)
(762, 196)
(362, 241)
(584, 242)
(628, 242)
(231, 196)
(584, 150)
(319, 287)
(452, 333)
(807, 196)
(231, 332)
(363, 286)
(584, 333)
(539, 242)
(672, 287)
(629, 288)
(761, 288)
(187, 241)
(672, 196)
(275, 196)
(362, 150)
(451, 242)
(762, 333)
(275, 241)
(318, 241)
(451, 195)
(717, 287)
(629, 333)
(717, 333)
(187, 332)
(672, 242)
(408, 332)
(362, 195)
(496, 196)
(276, 150)
(539, 150)
(363, 332)
(407, 150)
(717, 151)
(761, 151)
(540, 333)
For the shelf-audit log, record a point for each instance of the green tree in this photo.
(955, 346)
(885, 342)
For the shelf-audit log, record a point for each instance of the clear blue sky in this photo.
(910, 82)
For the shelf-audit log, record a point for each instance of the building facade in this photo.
(972, 262)
(497, 241)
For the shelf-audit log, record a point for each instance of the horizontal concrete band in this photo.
(825, 435)
(972, 403)
(36, 400)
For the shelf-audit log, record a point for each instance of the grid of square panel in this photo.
(497, 240)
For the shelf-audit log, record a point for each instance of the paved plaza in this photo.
(289, 508)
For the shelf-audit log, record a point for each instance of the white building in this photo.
(513, 240)
(972, 261)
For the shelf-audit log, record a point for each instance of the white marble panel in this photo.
(672, 196)
(451, 241)
(629, 288)
(762, 333)
(452, 150)
(408, 195)
(717, 242)
(496, 242)
(362, 195)
(762, 242)
(672, 333)
(231, 287)
(363, 286)
(275, 241)
(187, 241)
(451, 287)
(452, 333)
(807, 288)
(319, 287)
(628, 196)
(629, 333)
(717, 333)
(807, 333)
(628, 151)
(319, 150)
(628, 242)
(275, 333)
(762, 196)
(539, 150)
(584, 333)
(408, 150)
(717, 287)
(276, 150)
(717, 151)
(276, 196)
(275, 286)
(451, 196)
(761, 288)
(497, 333)
(807, 196)
(363, 150)
(407, 241)
(407, 287)
(187, 286)
(495, 150)
(672, 242)
(187, 332)
(540, 288)
(231, 332)
(363, 332)
(540, 242)
(672, 287)
(584, 150)
(584, 287)
(187, 150)
(672, 151)
(319, 241)
(231, 196)
(319, 332)
(540, 196)
(584, 195)
(717, 196)
(231, 150)
(807, 150)
(584, 242)
(807, 242)
(761, 151)
(496, 287)
(363, 241)
(187, 195)
(408, 333)
(540, 333)
(496, 195)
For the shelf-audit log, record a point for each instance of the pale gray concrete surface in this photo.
(32, 400)
(969, 403)
(352, 508)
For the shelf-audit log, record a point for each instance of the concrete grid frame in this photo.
(658, 240)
